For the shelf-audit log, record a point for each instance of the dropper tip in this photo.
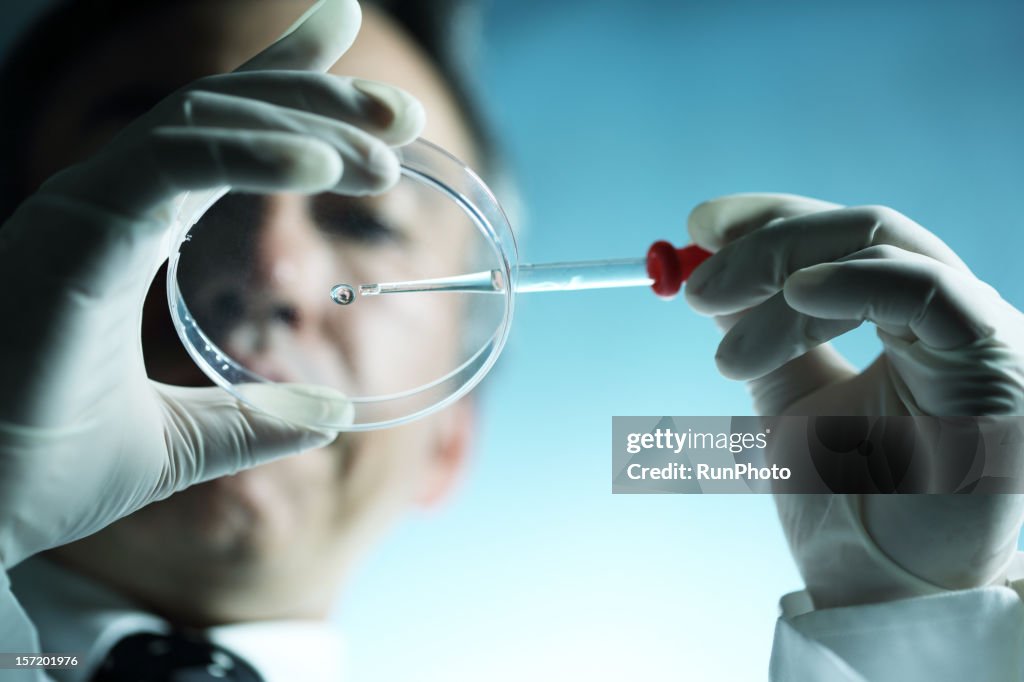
(369, 289)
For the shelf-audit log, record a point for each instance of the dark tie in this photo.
(176, 657)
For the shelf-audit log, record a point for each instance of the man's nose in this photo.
(293, 267)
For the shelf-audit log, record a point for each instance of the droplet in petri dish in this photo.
(343, 294)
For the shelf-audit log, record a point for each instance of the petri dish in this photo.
(264, 294)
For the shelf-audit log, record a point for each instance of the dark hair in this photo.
(444, 29)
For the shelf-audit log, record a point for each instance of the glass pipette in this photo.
(664, 269)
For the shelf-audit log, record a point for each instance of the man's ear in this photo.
(450, 459)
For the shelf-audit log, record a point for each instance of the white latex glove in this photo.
(791, 273)
(85, 437)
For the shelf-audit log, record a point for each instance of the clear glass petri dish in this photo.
(250, 281)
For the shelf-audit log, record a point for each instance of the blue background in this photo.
(618, 117)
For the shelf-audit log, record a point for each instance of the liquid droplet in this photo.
(343, 294)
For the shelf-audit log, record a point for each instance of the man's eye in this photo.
(347, 218)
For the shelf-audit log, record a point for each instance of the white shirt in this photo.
(72, 614)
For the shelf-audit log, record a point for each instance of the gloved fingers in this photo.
(366, 168)
(774, 392)
(754, 267)
(942, 306)
(210, 433)
(384, 111)
(313, 43)
(135, 178)
(770, 335)
(116, 243)
(902, 292)
(714, 223)
(777, 391)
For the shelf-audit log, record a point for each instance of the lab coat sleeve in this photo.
(936, 635)
(17, 634)
(973, 635)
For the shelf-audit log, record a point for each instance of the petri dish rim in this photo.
(425, 163)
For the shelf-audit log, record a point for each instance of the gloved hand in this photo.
(85, 437)
(791, 273)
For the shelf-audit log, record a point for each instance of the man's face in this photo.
(283, 531)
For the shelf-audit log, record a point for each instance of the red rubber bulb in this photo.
(669, 267)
